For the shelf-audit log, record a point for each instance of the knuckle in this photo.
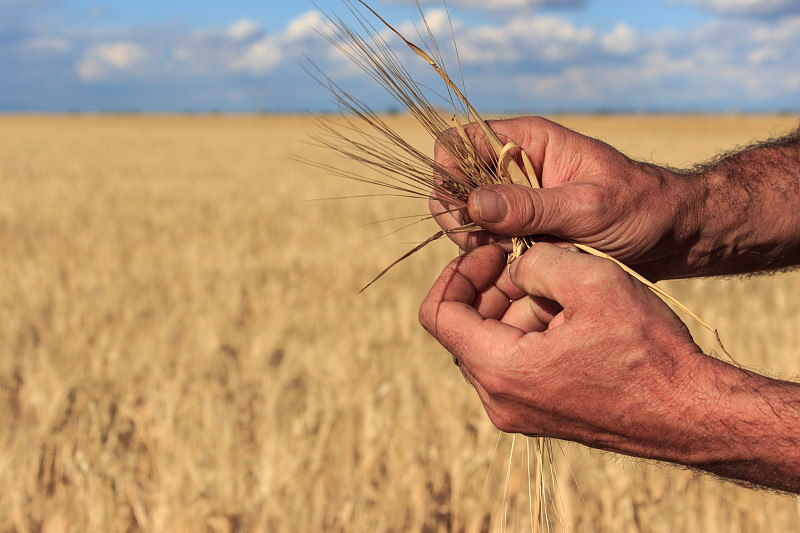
(426, 315)
(601, 272)
(593, 202)
(526, 264)
(444, 139)
(525, 211)
(495, 386)
(596, 281)
(531, 211)
(498, 380)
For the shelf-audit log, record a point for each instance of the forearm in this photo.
(755, 435)
(744, 213)
(740, 425)
(708, 416)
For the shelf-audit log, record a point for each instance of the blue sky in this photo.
(517, 55)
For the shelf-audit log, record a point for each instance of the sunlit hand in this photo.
(567, 345)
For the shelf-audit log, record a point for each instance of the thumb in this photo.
(557, 273)
(517, 210)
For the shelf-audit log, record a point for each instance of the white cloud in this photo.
(182, 53)
(525, 61)
(438, 23)
(763, 54)
(486, 47)
(535, 29)
(259, 58)
(48, 45)
(505, 4)
(550, 62)
(244, 30)
(750, 7)
(621, 40)
(660, 64)
(265, 54)
(304, 25)
(103, 61)
(526, 39)
(793, 81)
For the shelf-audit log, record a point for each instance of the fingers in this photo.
(469, 308)
(449, 220)
(531, 133)
(513, 210)
(563, 276)
(575, 201)
(471, 338)
(468, 287)
(463, 279)
(531, 313)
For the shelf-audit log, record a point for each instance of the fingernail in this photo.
(512, 268)
(506, 245)
(491, 206)
(568, 246)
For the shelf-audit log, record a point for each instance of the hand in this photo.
(591, 193)
(565, 345)
(569, 346)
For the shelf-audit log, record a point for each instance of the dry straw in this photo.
(364, 136)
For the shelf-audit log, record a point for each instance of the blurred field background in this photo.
(183, 349)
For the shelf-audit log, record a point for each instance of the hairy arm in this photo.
(567, 345)
(746, 210)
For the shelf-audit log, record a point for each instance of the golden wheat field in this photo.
(183, 349)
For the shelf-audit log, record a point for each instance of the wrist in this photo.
(717, 228)
(741, 425)
(714, 227)
(744, 211)
(676, 208)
